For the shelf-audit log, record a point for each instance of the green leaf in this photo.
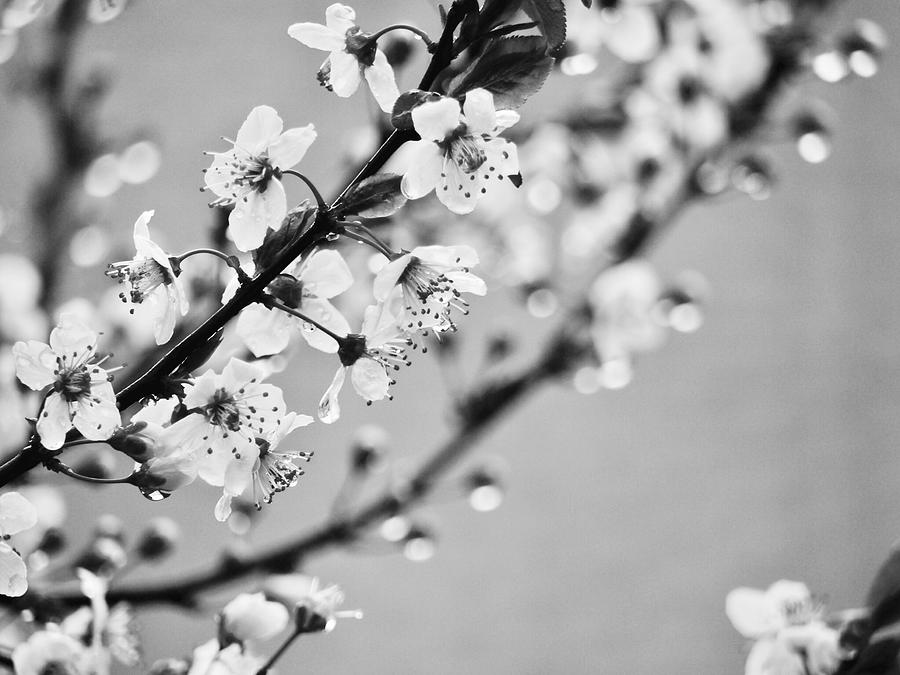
(378, 196)
(550, 16)
(293, 224)
(512, 69)
(401, 115)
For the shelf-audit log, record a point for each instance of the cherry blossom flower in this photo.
(369, 356)
(354, 55)
(786, 624)
(51, 651)
(268, 473)
(431, 280)
(228, 413)
(307, 287)
(459, 152)
(321, 603)
(249, 175)
(150, 276)
(16, 514)
(250, 617)
(82, 394)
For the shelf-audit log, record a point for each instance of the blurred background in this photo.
(764, 446)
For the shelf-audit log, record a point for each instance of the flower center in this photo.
(361, 46)
(422, 280)
(466, 150)
(73, 383)
(255, 172)
(351, 348)
(223, 411)
(142, 276)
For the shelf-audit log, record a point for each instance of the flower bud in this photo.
(251, 617)
(134, 441)
(165, 474)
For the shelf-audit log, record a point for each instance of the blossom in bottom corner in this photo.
(211, 658)
(790, 636)
(319, 604)
(16, 514)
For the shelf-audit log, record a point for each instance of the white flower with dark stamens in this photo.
(16, 514)
(431, 280)
(228, 413)
(786, 624)
(270, 472)
(459, 153)
(371, 357)
(82, 394)
(248, 176)
(321, 603)
(353, 56)
(307, 288)
(150, 276)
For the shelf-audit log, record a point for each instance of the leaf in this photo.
(378, 196)
(401, 116)
(512, 69)
(495, 12)
(885, 588)
(294, 223)
(550, 16)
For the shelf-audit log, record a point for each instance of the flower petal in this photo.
(749, 611)
(16, 513)
(71, 336)
(370, 379)
(291, 146)
(481, 118)
(13, 573)
(340, 18)
(345, 76)
(35, 364)
(388, 276)
(97, 421)
(317, 36)
(264, 331)
(262, 126)
(380, 77)
(141, 229)
(54, 421)
(252, 217)
(426, 161)
(434, 120)
(319, 309)
(456, 190)
(325, 274)
(329, 408)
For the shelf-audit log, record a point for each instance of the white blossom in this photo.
(322, 602)
(51, 651)
(81, 396)
(459, 153)
(371, 356)
(250, 617)
(431, 280)
(307, 287)
(211, 659)
(16, 514)
(353, 55)
(248, 176)
(150, 276)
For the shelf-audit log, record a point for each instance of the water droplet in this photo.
(155, 495)
(332, 236)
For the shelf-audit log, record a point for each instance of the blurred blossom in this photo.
(139, 162)
(578, 64)
(753, 176)
(51, 651)
(616, 373)
(319, 602)
(250, 617)
(485, 488)
(419, 545)
(541, 303)
(16, 514)
(586, 380)
(863, 47)
(101, 11)
(20, 283)
(102, 177)
(210, 659)
(89, 246)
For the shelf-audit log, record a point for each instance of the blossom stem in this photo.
(412, 29)
(230, 260)
(55, 465)
(320, 201)
(272, 303)
(297, 632)
(372, 241)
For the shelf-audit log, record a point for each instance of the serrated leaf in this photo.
(550, 16)
(401, 115)
(512, 69)
(495, 12)
(378, 196)
(294, 222)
